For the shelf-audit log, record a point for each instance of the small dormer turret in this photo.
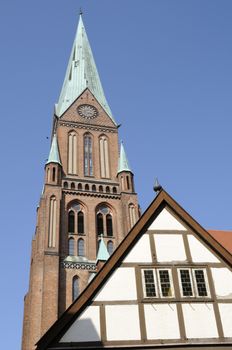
(53, 165)
(125, 174)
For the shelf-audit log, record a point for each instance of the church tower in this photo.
(88, 198)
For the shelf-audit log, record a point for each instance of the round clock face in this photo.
(87, 111)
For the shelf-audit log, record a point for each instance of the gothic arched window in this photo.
(104, 221)
(110, 247)
(72, 152)
(109, 225)
(76, 219)
(100, 228)
(81, 247)
(53, 174)
(71, 246)
(80, 222)
(104, 157)
(71, 220)
(88, 155)
(75, 288)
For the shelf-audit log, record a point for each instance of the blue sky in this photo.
(166, 70)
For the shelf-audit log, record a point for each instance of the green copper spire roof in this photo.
(123, 164)
(54, 156)
(102, 254)
(81, 74)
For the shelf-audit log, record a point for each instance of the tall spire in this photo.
(81, 74)
(54, 156)
(123, 164)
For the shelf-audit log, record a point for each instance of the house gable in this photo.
(143, 285)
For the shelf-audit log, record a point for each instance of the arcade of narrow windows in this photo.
(104, 221)
(76, 226)
(88, 154)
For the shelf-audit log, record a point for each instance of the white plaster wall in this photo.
(85, 328)
(199, 320)
(169, 247)
(141, 252)
(166, 221)
(226, 318)
(222, 283)
(199, 252)
(161, 321)
(122, 322)
(120, 286)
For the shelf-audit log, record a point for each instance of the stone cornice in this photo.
(70, 124)
(93, 194)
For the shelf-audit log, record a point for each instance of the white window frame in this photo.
(157, 283)
(194, 282)
(170, 280)
(206, 283)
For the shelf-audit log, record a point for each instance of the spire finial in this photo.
(157, 187)
(81, 12)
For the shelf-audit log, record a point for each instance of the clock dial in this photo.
(87, 111)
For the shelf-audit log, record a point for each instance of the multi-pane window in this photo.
(165, 283)
(193, 282)
(88, 155)
(200, 283)
(186, 283)
(104, 221)
(157, 283)
(149, 283)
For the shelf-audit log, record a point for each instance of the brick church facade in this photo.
(88, 196)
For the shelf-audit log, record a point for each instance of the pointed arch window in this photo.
(71, 220)
(71, 246)
(104, 157)
(81, 247)
(76, 219)
(109, 225)
(80, 222)
(72, 153)
(88, 155)
(110, 247)
(52, 222)
(100, 227)
(75, 288)
(104, 220)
